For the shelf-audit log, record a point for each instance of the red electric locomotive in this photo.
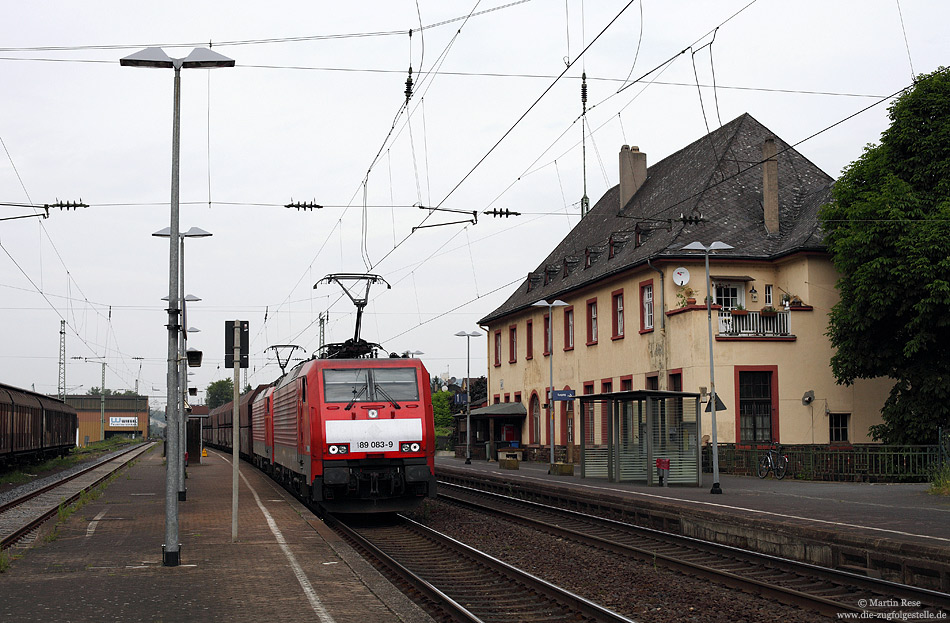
(354, 435)
(346, 430)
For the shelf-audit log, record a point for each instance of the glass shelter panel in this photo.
(643, 426)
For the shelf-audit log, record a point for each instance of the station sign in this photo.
(563, 394)
(124, 422)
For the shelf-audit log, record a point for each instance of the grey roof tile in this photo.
(718, 176)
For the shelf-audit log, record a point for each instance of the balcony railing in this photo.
(754, 324)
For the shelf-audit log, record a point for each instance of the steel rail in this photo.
(37, 520)
(32, 494)
(511, 576)
(688, 545)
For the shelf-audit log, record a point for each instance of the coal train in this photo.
(33, 427)
(351, 435)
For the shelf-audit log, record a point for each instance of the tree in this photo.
(219, 393)
(888, 231)
(441, 408)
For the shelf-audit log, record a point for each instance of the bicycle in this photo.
(774, 461)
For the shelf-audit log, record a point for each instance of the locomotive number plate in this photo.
(373, 435)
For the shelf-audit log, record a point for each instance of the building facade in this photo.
(116, 415)
(630, 308)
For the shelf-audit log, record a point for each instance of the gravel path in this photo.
(630, 587)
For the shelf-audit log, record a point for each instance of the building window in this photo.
(512, 344)
(838, 427)
(626, 384)
(588, 416)
(568, 328)
(606, 387)
(529, 340)
(591, 322)
(547, 334)
(616, 314)
(535, 419)
(646, 310)
(653, 381)
(729, 295)
(518, 397)
(498, 348)
(768, 294)
(755, 406)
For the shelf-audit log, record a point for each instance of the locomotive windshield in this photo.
(370, 385)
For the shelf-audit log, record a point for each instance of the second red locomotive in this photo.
(354, 435)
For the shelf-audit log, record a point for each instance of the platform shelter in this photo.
(624, 433)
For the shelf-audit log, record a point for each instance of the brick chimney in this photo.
(633, 172)
(770, 186)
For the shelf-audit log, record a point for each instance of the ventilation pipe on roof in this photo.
(770, 186)
(633, 172)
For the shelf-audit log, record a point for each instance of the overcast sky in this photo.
(314, 111)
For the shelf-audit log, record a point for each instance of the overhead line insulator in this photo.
(312, 205)
(501, 213)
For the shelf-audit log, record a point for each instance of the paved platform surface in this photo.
(903, 513)
(105, 563)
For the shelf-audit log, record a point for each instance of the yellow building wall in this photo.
(679, 342)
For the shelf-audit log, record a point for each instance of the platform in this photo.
(879, 528)
(105, 562)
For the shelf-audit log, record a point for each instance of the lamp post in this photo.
(715, 246)
(198, 58)
(550, 405)
(193, 232)
(468, 388)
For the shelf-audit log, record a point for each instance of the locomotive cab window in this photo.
(370, 384)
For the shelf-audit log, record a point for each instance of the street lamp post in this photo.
(193, 232)
(715, 246)
(550, 405)
(198, 58)
(468, 388)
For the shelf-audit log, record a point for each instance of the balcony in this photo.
(754, 324)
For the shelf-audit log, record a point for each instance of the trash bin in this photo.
(663, 470)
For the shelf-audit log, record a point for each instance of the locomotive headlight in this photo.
(414, 447)
(406, 446)
(334, 450)
(338, 449)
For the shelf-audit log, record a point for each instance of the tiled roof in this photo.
(718, 176)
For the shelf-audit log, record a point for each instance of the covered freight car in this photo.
(33, 427)
(218, 431)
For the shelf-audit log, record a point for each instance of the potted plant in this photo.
(739, 310)
(686, 296)
(768, 312)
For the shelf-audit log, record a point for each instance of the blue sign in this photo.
(563, 394)
(461, 398)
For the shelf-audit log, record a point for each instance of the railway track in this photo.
(462, 583)
(826, 591)
(19, 518)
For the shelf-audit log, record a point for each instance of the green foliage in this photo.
(888, 230)
(442, 408)
(940, 485)
(96, 391)
(219, 393)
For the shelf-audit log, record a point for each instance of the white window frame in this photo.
(647, 293)
(727, 302)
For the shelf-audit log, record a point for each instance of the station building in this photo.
(631, 311)
(116, 415)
